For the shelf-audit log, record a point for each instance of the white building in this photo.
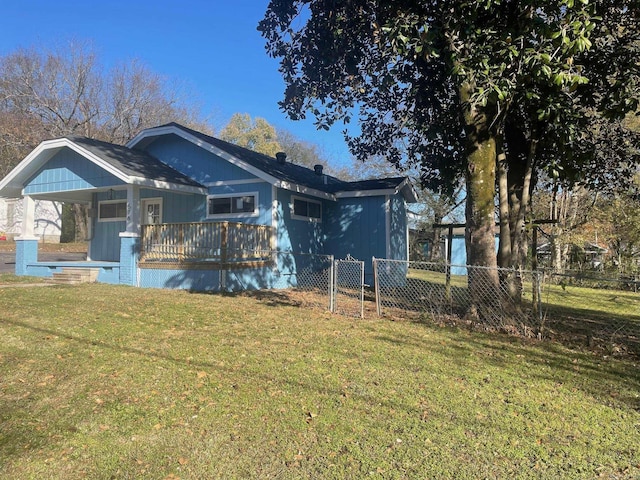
(47, 223)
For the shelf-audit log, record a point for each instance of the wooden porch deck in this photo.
(205, 245)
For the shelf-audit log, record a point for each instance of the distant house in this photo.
(47, 219)
(174, 206)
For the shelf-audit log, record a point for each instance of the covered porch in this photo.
(113, 182)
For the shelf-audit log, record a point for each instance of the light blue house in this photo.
(174, 207)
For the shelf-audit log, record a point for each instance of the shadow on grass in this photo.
(547, 361)
(588, 326)
(566, 323)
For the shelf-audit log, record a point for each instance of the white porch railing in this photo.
(205, 242)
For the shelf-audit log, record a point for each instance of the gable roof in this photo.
(285, 175)
(130, 166)
(135, 163)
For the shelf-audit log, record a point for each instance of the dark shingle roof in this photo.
(290, 172)
(133, 162)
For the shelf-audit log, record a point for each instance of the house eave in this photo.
(12, 185)
(297, 188)
(405, 188)
(172, 129)
(162, 185)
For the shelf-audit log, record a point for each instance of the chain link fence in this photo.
(593, 310)
(571, 309)
(308, 277)
(348, 298)
(568, 308)
(491, 299)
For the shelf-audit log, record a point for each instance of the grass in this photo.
(77, 247)
(100, 381)
(572, 314)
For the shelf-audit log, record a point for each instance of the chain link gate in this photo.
(348, 287)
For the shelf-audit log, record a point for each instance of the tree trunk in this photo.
(504, 249)
(80, 218)
(484, 284)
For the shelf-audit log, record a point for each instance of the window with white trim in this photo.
(305, 209)
(240, 205)
(112, 211)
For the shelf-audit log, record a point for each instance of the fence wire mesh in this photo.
(492, 299)
(306, 278)
(309, 277)
(592, 310)
(572, 309)
(349, 287)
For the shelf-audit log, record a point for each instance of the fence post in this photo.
(376, 285)
(332, 287)
(537, 299)
(362, 290)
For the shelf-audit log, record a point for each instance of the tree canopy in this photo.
(52, 92)
(491, 91)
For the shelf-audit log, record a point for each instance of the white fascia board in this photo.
(161, 185)
(156, 132)
(366, 193)
(224, 183)
(405, 185)
(294, 187)
(43, 153)
(13, 181)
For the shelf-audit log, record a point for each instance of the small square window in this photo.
(304, 209)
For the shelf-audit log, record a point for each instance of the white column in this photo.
(28, 217)
(133, 209)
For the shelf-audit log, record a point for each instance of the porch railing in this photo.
(205, 242)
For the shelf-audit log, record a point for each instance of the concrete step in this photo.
(74, 275)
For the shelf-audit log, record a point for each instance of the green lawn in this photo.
(100, 381)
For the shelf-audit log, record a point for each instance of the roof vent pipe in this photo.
(317, 169)
(281, 157)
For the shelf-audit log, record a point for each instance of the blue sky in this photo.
(212, 46)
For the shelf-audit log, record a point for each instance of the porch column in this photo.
(27, 242)
(133, 209)
(130, 239)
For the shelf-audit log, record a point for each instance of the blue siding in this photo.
(357, 226)
(66, 171)
(299, 236)
(398, 234)
(459, 254)
(196, 162)
(105, 241)
(178, 208)
(197, 280)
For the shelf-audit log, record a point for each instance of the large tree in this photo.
(440, 84)
(254, 133)
(46, 93)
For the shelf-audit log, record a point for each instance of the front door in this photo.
(151, 211)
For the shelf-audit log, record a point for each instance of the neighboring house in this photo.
(47, 219)
(175, 206)
(452, 246)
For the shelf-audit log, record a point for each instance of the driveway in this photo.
(8, 259)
